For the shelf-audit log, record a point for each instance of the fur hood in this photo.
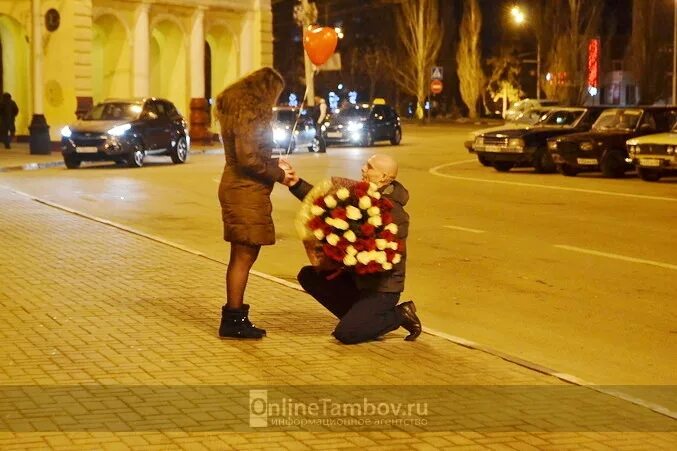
(248, 101)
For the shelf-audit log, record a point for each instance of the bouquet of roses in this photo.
(346, 224)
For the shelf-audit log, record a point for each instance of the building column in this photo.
(199, 106)
(141, 65)
(39, 130)
(247, 44)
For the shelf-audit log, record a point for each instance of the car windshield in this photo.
(562, 118)
(619, 119)
(114, 111)
(286, 116)
(352, 113)
(674, 127)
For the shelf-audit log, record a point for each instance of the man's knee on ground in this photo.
(347, 336)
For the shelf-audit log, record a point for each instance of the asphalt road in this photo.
(576, 274)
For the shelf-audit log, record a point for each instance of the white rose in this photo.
(375, 221)
(316, 210)
(393, 245)
(329, 220)
(396, 259)
(372, 186)
(349, 260)
(319, 234)
(364, 203)
(350, 236)
(333, 239)
(373, 255)
(353, 213)
(373, 211)
(350, 250)
(341, 224)
(376, 195)
(387, 266)
(329, 201)
(392, 227)
(363, 257)
(343, 193)
(381, 257)
(381, 244)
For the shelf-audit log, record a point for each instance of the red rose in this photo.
(373, 267)
(370, 244)
(387, 235)
(390, 254)
(361, 189)
(343, 244)
(326, 228)
(386, 203)
(333, 252)
(361, 269)
(360, 245)
(367, 230)
(320, 202)
(339, 213)
(386, 218)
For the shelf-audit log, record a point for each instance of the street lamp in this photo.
(519, 17)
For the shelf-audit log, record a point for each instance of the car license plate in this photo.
(586, 160)
(492, 148)
(334, 134)
(87, 149)
(649, 162)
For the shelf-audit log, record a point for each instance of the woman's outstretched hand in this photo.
(290, 177)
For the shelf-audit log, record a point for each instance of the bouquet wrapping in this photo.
(346, 224)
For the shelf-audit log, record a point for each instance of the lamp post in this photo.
(674, 55)
(519, 17)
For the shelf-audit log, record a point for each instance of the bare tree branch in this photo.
(468, 56)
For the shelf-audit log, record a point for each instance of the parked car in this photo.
(305, 135)
(654, 156)
(125, 131)
(526, 146)
(470, 140)
(363, 125)
(521, 106)
(603, 147)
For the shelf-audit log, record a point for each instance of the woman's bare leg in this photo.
(242, 258)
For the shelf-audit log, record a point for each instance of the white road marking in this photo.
(616, 256)
(464, 229)
(435, 171)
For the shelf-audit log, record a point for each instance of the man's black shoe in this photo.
(410, 320)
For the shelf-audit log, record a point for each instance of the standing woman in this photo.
(244, 110)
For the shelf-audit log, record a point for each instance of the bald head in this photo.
(380, 169)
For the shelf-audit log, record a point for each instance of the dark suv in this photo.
(125, 131)
(527, 146)
(363, 125)
(603, 147)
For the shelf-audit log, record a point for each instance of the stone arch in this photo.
(16, 68)
(112, 71)
(225, 58)
(168, 67)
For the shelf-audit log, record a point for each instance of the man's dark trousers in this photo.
(363, 315)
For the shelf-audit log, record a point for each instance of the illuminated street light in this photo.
(519, 17)
(339, 32)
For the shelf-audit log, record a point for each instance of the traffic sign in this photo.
(436, 86)
(437, 73)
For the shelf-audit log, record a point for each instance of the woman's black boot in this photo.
(236, 324)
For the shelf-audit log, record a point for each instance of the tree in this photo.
(647, 55)
(504, 83)
(369, 62)
(420, 33)
(468, 56)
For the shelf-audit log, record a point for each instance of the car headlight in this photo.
(671, 149)
(119, 130)
(479, 141)
(355, 126)
(279, 134)
(516, 142)
(324, 127)
(552, 145)
(587, 146)
(66, 132)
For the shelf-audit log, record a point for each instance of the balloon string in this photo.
(298, 116)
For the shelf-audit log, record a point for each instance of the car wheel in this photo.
(368, 140)
(71, 161)
(503, 166)
(135, 159)
(179, 152)
(613, 164)
(483, 160)
(567, 170)
(649, 175)
(397, 137)
(318, 146)
(543, 163)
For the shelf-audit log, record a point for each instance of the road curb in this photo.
(564, 377)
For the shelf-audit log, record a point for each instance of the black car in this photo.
(526, 146)
(603, 147)
(125, 131)
(363, 125)
(305, 133)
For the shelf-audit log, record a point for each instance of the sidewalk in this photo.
(19, 157)
(108, 341)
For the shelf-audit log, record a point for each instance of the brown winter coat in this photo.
(244, 110)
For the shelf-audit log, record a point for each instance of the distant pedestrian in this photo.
(8, 113)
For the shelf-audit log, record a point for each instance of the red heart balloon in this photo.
(320, 44)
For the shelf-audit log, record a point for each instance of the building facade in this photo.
(59, 57)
